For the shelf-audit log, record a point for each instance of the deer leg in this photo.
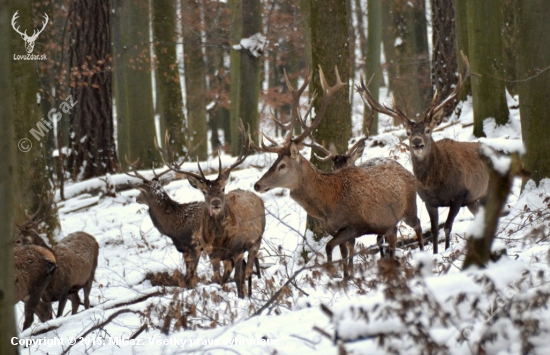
(75, 302)
(239, 278)
(227, 268)
(216, 267)
(380, 241)
(434, 220)
(474, 207)
(61, 304)
(252, 255)
(453, 211)
(191, 263)
(257, 263)
(341, 237)
(344, 253)
(351, 248)
(415, 224)
(43, 310)
(391, 236)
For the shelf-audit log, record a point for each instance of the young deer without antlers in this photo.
(393, 170)
(177, 221)
(448, 173)
(232, 223)
(76, 258)
(348, 202)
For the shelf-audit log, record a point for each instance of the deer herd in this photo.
(349, 201)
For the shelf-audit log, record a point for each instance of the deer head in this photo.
(284, 172)
(214, 190)
(418, 131)
(29, 40)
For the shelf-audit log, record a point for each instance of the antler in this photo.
(245, 148)
(434, 109)
(13, 24)
(132, 166)
(376, 106)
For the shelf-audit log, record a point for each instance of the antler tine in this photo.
(245, 148)
(295, 110)
(376, 106)
(328, 92)
(263, 147)
(461, 79)
(357, 145)
(328, 154)
(133, 168)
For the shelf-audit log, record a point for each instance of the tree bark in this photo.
(412, 82)
(250, 72)
(169, 99)
(484, 38)
(534, 94)
(133, 87)
(93, 149)
(195, 78)
(462, 44)
(235, 34)
(372, 61)
(32, 184)
(444, 63)
(7, 325)
(329, 49)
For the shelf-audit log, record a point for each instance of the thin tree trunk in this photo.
(169, 96)
(372, 62)
(462, 44)
(484, 37)
(534, 94)
(7, 146)
(134, 93)
(510, 45)
(195, 78)
(444, 63)
(235, 14)
(93, 150)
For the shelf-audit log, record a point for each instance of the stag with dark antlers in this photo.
(349, 202)
(177, 221)
(448, 173)
(231, 224)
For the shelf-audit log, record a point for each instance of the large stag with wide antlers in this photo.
(448, 173)
(232, 223)
(349, 202)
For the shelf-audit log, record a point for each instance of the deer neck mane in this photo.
(312, 184)
(428, 170)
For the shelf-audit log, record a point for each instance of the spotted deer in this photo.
(348, 202)
(448, 173)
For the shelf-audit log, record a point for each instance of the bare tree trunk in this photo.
(462, 43)
(329, 48)
(7, 146)
(534, 94)
(93, 150)
(372, 61)
(195, 78)
(134, 92)
(510, 45)
(250, 70)
(169, 96)
(32, 184)
(235, 15)
(484, 37)
(444, 63)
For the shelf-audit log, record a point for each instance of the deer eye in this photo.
(408, 133)
(282, 166)
(428, 131)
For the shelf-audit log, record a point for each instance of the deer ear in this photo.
(294, 151)
(194, 182)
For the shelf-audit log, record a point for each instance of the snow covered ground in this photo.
(432, 307)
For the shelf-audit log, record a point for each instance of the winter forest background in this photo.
(118, 74)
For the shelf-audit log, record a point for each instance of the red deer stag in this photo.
(231, 223)
(177, 221)
(349, 202)
(448, 173)
(76, 256)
